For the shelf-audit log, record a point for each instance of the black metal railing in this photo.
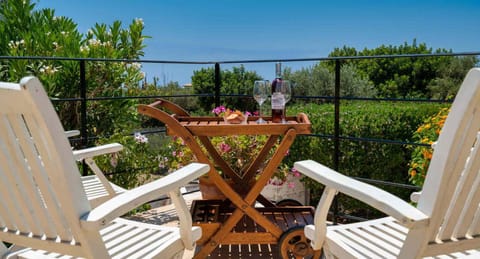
(216, 92)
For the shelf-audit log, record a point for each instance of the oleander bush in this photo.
(391, 121)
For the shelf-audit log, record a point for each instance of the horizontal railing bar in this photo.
(246, 96)
(386, 141)
(109, 60)
(395, 99)
(473, 53)
(374, 140)
(380, 182)
(145, 97)
(352, 98)
(349, 58)
(103, 98)
(347, 216)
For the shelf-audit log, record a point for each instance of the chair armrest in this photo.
(81, 154)
(402, 211)
(131, 199)
(72, 133)
(415, 196)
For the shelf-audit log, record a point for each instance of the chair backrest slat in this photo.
(44, 197)
(450, 195)
(469, 214)
(464, 205)
(14, 185)
(475, 226)
(35, 152)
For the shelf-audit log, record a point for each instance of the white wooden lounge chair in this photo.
(446, 219)
(44, 210)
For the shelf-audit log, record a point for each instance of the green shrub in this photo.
(366, 159)
(132, 166)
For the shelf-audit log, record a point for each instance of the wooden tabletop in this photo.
(216, 126)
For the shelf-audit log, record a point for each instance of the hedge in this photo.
(391, 121)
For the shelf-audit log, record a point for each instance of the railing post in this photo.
(218, 82)
(83, 111)
(336, 138)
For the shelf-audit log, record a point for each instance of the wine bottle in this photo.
(278, 100)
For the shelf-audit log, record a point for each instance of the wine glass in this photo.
(286, 90)
(261, 89)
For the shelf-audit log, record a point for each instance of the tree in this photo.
(30, 32)
(234, 82)
(404, 76)
(451, 76)
(319, 80)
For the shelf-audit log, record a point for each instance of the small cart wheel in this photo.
(288, 202)
(294, 244)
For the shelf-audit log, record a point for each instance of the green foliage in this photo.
(450, 77)
(235, 81)
(30, 32)
(365, 159)
(319, 80)
(138, 158)
(408, 77)
(427, 133)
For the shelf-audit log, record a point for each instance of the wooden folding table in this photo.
(269, 224)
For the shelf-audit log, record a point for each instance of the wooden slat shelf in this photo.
(210, 214)
(216, 126)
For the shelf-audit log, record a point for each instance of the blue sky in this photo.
(211, 30)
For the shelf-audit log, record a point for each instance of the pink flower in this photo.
(296, 173)
(161, 164)
(291, 185)
(225, 147)
(177, 154)
(247, 113)
(219, 110)
(114, 160)
(140, 138)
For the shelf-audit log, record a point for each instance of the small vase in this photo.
(209, 190)
(291, 189)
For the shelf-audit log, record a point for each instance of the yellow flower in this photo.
(413, 173)
(427, 154)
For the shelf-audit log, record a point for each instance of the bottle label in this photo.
(278, 101)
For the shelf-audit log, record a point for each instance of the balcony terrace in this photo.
(85, 98)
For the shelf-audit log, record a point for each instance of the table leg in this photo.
(246, 206)
(271, 166)
(255, 165)
(218, 160)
